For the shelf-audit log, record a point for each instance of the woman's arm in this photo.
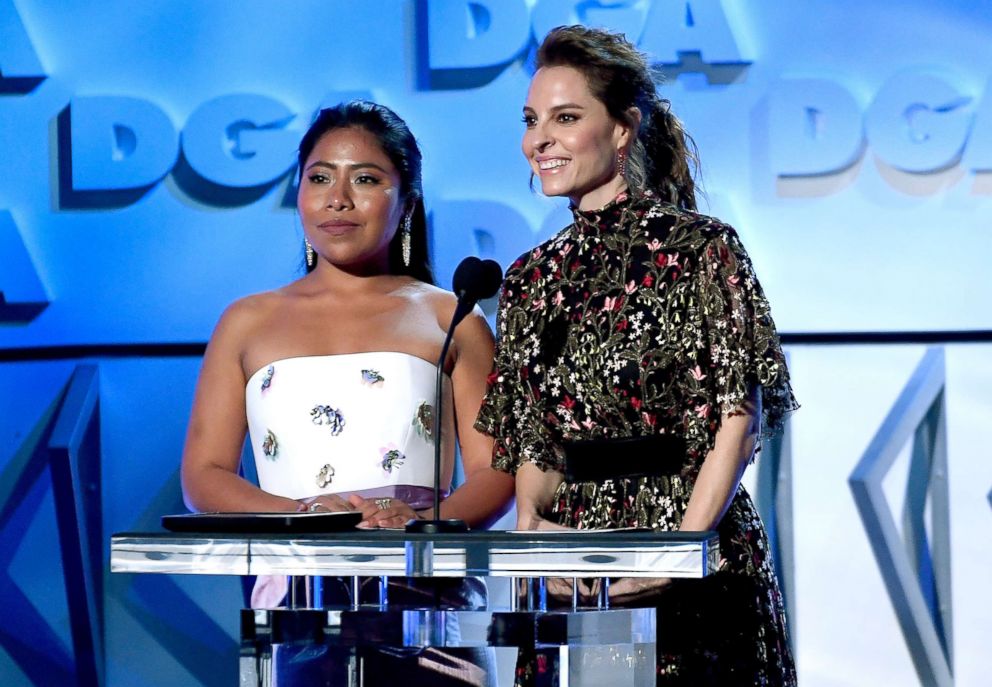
(535, 492)
(218, 424)
(724, 465)
(486, 493)
(714, 489)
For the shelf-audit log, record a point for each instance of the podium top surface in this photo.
(397, 553)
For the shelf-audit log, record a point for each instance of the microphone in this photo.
(474, 279)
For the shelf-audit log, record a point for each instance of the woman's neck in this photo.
(343, 280)
(601, 195)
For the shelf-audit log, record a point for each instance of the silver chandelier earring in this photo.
(311, 256)
(405, 239)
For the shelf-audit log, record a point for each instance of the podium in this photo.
(565, 634)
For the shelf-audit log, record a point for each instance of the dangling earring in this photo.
(405, 239)
(621, 163)
(311, 256)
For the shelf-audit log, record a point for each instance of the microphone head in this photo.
(476, 279)
(492, 279)
(465, 275)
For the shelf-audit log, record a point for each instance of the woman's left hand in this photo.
(382, 512)
(628, 590)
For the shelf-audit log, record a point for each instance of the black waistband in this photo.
(596, 460)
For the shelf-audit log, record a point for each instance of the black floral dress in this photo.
(636, 320)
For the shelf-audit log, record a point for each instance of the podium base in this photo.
(436, 526)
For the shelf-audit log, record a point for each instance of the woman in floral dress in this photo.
(637, 363)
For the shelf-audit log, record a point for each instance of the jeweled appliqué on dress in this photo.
(328, 416)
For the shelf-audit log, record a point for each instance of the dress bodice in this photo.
(351, 423)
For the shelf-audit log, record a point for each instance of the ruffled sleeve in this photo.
(509, 411)
(743, 345)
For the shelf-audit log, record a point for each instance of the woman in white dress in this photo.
(334, 373)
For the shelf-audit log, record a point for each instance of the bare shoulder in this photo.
(442, 303)
(248, 311)
(243, 319)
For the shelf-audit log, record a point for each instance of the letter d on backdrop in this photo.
(119, 143)
(469, 35)
(814, 128)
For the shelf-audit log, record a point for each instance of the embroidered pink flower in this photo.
(630, 287)
(703, 410)
(588, 423)
(697, 374)
(654, 245)
(557, 300)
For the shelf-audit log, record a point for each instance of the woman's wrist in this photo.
(310, 505)
(528, 520)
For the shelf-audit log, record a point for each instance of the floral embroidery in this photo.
(270, 445)
(326, 415)
(372, 378)
(423, 421)
(651, 321)
(325, 476)
(267, 378)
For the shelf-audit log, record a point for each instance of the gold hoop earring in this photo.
(406, 240)
(311, 255)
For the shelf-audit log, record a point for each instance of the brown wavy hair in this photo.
(663, 158)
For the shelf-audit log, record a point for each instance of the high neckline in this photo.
(603, 217)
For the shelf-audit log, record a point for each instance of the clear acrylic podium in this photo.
(575, 636)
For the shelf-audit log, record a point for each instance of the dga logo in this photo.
(20, 70)
(233, 149)
(466, 43)
(919, 122)
(230, 152)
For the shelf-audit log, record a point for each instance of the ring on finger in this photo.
(383, 504)
(315, 507)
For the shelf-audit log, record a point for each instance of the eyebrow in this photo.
(357, 165)
(556, 108)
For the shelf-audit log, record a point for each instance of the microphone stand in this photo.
(437, 525)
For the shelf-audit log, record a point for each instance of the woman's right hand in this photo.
(533, 521)
(325, 503)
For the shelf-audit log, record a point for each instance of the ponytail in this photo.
(671, 160)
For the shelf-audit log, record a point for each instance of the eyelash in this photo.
(360, 179)
(562, 118)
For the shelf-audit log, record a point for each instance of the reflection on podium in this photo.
(581, 641)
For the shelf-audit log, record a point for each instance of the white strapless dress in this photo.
(351, 423)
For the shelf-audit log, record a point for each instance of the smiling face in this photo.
(571, 141)
(350, 201)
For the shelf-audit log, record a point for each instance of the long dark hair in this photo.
(663, 158)
(402, 150)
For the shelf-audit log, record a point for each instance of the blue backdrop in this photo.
(146, 181)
